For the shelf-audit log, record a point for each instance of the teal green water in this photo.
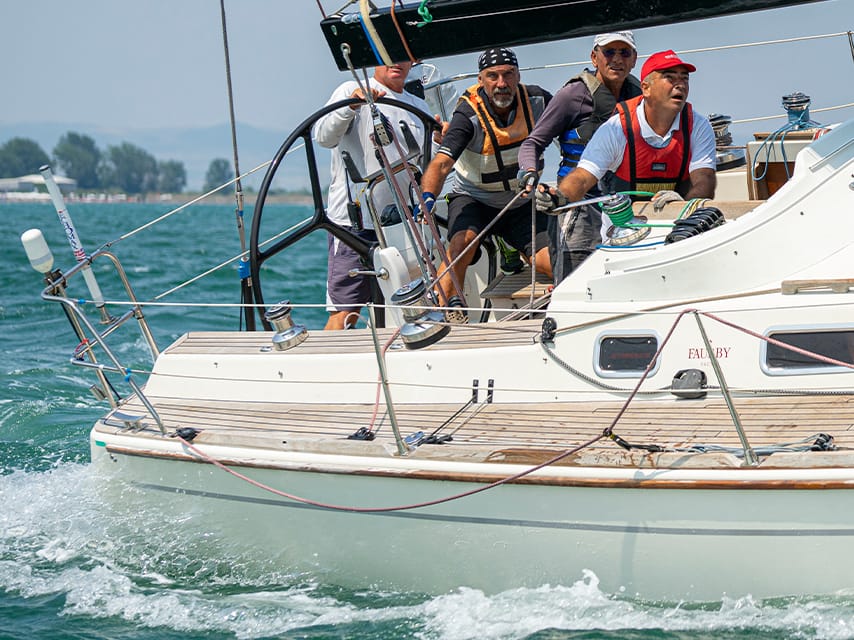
(68, 571)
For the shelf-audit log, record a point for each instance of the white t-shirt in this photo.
(605, 150)
(351, 130)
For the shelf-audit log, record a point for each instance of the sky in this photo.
(121, 65)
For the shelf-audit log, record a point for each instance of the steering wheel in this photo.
(319, 219)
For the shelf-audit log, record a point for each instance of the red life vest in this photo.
(648, 168)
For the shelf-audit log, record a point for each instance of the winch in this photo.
(288, 334)
(423, 325)
(626, 227)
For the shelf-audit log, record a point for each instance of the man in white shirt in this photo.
(350, 129)
(655, 142)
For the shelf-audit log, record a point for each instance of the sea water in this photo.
(69, 568)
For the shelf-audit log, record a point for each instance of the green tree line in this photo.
(123, 167)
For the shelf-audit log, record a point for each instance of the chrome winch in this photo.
(423, 324)
(288, 334)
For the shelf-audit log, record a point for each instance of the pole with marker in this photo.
(74, 241)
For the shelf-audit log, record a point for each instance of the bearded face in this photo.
(502, 97)
(500, 83)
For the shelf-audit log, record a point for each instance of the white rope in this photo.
(365, 11)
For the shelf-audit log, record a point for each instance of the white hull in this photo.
(660, 543)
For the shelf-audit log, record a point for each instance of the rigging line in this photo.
(560, 65)
(371, 32)
(428, 218)
(199, 198)
(476, 239)
(480, 406)
(169, 214)
(778, 343)
(783, 115)
(334, 507)
(590, 380)
(761, 43)
(231, 260)
(545, 7)
(238, 188)
(742, 392)
(409, 53)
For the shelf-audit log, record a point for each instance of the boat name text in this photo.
(698, 353)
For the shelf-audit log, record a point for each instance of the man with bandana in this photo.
(491, 120)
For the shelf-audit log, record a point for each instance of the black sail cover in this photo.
(462, 26)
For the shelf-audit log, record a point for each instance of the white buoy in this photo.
(37, 250)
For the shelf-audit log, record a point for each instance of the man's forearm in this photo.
(576, 184)
(436, 173)
(703, 183)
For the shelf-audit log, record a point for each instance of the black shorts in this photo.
(344, 293)
(514, 227)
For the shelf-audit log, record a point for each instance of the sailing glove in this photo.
(429, 203)
(548, 198)
(528, 178)
(661, 198)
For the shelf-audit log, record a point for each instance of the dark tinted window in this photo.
(838, 345)
(626, 353)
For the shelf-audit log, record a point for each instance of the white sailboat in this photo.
(675, 416)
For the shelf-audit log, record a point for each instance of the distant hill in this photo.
(195, 147)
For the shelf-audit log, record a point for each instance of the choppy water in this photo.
(69, 568)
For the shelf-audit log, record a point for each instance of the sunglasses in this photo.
(609, 53)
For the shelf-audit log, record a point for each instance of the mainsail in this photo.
(448, 27)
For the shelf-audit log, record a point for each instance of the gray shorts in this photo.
(344, 293)
(572, 237)
(514, 227)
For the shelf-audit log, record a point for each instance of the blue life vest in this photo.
(573, 141)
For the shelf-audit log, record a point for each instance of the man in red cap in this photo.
(655, 142)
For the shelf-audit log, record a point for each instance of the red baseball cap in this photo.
(663, 60)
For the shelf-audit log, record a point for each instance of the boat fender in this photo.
(689, 383)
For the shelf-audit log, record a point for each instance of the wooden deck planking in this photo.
(243, 342)
(516, 286)
(766, 421)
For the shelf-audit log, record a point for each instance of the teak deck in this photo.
(501, 427)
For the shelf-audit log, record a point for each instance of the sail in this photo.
(461, 26)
